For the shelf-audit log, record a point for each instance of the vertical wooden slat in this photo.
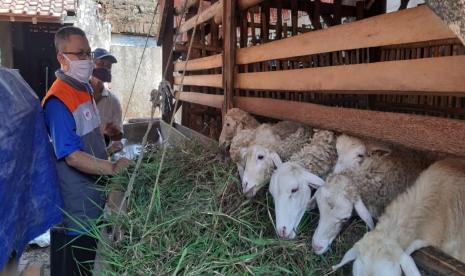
(316, 15)
(167, 47)
(229, 53)
(294, 15)
(337, 11)
(360, 9)
(279, 21)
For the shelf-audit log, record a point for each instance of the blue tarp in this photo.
(30, 200)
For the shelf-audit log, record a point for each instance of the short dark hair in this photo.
(63, 34)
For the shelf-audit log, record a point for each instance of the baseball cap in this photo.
(101, 53)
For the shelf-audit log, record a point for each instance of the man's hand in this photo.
(111, 130)
(114, 147)
(121, 164)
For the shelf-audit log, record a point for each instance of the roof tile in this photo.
(55, 8)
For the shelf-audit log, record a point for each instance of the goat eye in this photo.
(294, 190)
(260, 157)
(344, 220)
(360, 155)
(228, 124)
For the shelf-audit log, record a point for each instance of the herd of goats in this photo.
(417, 198)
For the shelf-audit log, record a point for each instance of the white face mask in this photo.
(80, 70)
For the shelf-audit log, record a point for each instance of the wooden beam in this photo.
(167, 47)
(418, 132)
(274, 27)
(190, 3)
(215, 10)
(435, 262)
(183, 48)
(443, 76)
(201, 80)
(161, 22)
(204, 63)
(229, 56)
(305, 6)
(387, 29)
(200, 98)
(204, 16)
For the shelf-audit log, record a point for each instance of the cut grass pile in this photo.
(201, 224)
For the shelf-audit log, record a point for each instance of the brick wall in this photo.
(129, 16)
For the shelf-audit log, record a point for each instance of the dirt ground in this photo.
(38, 256)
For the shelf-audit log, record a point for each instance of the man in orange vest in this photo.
(73, 124)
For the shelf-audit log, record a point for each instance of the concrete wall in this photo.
(128, 50)
(6, 45)
(97, 29)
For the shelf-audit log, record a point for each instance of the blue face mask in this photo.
(102, 74)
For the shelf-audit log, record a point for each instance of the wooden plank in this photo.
(215, 10)
(229, 56)
(423, 25)
(443, 76)
(204, 16)
(183, 48)
(190, 3)
(215, 80)
(161, 22)
(167, 47)
(204, 63)
(413, 131)
(201, 98)
(436, 262)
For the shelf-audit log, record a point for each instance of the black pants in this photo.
(71, 255)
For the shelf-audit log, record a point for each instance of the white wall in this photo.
(128, 50)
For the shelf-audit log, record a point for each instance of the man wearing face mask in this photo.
(73, 124)
(108, 104)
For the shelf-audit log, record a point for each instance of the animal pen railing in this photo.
(398, 77)
(408, 62)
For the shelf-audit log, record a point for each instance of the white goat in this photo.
(368, 190)
(234, 121)
(351, 152)
(261, 159)
(430, 213)
(262, 135)
(290, 183)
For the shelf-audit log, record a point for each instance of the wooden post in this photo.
(167, 47)
(229, 54)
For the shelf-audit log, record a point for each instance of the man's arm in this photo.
(67, 144)
(87, 163)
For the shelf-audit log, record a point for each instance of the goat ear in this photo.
(377, 149)
(348, 257)
(408, 265)
(244, 152)
(415, 245)
(276, 159)
(313, 180)
(363, 213)
(312, 203)
(239, 126)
